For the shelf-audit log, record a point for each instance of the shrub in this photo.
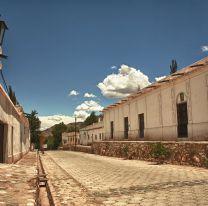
(125, 150)
(206, 163)
(159, 151)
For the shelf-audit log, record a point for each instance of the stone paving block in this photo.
(113, 181)
(65, 190)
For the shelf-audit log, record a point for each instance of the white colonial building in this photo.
(14, 130)
(91, 133)
(70, 138)
(174, 108)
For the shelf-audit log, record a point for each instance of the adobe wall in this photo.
(16, 130)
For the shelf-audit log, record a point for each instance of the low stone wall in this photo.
(80, 148)
(183, 153)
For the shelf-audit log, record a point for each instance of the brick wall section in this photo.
(183, 153)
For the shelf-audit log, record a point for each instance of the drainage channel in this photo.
(44, 196)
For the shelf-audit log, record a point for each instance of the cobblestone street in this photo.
(86, 179)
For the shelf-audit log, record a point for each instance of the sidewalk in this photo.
(18, 182)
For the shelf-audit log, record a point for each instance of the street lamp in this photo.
(75, 127)
(3, 28)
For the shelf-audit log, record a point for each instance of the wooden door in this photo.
(112, 129)
(182, 117)
(141, 125)
(126, 127)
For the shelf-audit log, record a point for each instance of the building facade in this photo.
(70, 138)
(14, 130)
(174, 108)
(91, 133)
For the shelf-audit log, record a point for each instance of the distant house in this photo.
(174, 108)
(14, 130)
(70, 138)
(91, 133)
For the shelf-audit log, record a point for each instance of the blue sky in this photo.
(58, 46)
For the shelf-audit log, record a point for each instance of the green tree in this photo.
(57, 131)
(12, 96)
(34, 128)
(50, 142)
(71, 128)
(91, 119)
(173, 66)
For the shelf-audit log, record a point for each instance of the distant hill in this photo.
(48, 132)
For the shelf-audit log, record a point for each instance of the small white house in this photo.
(174, 108)
(91, 133)
(70, 138)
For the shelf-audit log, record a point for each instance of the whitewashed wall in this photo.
(17, 122)
(92, 133)
(160, 110)
(69, 138)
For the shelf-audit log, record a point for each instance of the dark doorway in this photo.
(182, 116)
(126, 127)
(1, 143)
(21, 139)
(112, 129)
(12, 144)
(141, 125)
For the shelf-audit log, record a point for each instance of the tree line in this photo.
(54, 141)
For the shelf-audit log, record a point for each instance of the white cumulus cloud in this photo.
(127, 81)
(204, 48)
(113, 67)
(49, 121)
(159, 78)
(83, 110)
(89, 106)
(89, 95)
(81, 114)
(73, 93)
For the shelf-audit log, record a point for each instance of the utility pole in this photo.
(75, 127)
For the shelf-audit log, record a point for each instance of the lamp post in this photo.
(3, 28)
